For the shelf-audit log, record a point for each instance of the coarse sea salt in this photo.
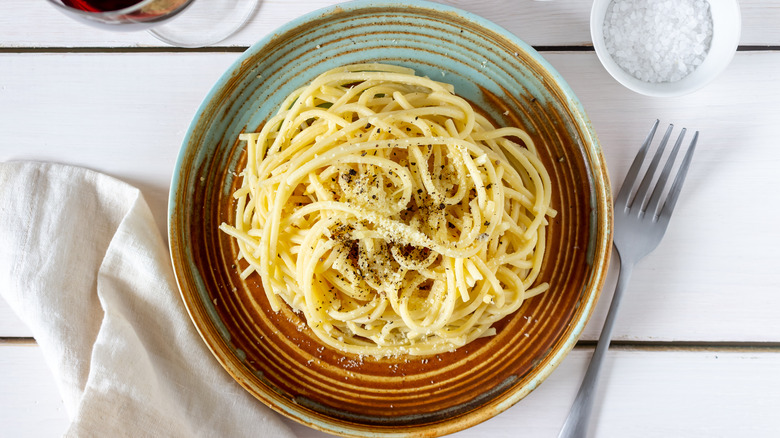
(658, 40)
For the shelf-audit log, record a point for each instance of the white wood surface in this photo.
(133, 131)
(83, 96)
(645, 393)
(546, 23)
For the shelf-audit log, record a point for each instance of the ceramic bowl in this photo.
(274, 355)
(726, 27)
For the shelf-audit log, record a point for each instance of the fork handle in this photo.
(576, 424)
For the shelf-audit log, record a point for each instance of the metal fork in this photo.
(640, 223)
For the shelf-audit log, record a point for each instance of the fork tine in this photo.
(655, 197)
(644, 186)
(633, 171)
(674, 192)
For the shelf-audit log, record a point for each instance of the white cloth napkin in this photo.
(83, 264)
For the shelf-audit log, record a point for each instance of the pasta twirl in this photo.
(392, 215)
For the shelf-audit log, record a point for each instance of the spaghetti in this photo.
(392, 215)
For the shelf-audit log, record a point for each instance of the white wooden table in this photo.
(697, 343)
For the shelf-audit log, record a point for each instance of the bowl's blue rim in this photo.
(578, 111)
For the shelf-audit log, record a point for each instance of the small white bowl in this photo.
(726, 27)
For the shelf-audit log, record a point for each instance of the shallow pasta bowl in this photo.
(273, 354)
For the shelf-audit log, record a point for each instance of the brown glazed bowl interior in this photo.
(274, 355)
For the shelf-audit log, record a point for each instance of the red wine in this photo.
(100, 5)
(134, 15)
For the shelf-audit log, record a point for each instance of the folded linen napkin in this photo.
(83, 264)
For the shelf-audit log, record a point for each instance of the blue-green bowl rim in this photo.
(577, 110)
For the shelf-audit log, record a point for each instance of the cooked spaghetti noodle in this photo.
(392, 215)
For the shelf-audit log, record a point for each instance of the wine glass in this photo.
(196, 24)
